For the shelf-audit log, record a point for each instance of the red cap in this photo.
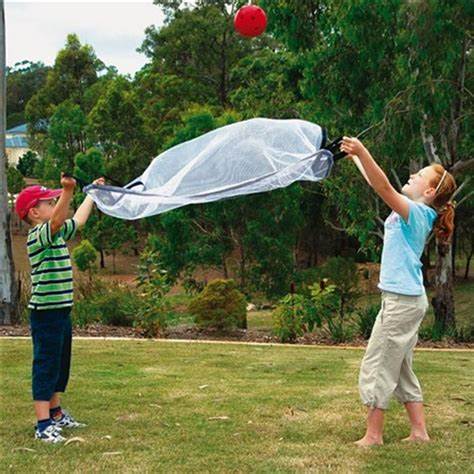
(30, 196)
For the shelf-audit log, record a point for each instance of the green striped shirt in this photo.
(51, 271)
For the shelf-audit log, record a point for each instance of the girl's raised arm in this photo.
(376, 177)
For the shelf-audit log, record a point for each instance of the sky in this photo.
(37, 30)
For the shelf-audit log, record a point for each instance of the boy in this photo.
(51, 298)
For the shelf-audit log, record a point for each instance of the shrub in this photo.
(153, 284)
(118, 306)
(293, 317)
(342, 273)
(305, 278)
(327, 306)
(366, 319)
(464, 334)
(113, 305)
(192, 286)
(220, 306)
(433, 332)
(85, 312)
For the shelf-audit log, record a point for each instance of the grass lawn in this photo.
(150, 406)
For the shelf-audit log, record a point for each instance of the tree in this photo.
(8, 289)
(177, 48)
(24, 79)
(108, 234)
(84, 256)
(254, 237)
(383, 65)
(66, 135)
(75, 70)
(26, 164)
(116, 124)
(89, 166)
(438, 99)
(119, 233)
(15, 183)
(267, 84)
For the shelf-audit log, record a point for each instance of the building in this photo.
(16, 144)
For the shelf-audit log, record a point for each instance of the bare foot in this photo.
(366, 442)
(417, 438)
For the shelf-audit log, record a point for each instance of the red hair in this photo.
(445, 186)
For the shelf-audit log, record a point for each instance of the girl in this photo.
(386, 368)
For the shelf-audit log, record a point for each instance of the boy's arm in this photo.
(376, 177)
(84, 210)
(61, 208)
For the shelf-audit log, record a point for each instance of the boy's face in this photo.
(43, 211)
(419, 185)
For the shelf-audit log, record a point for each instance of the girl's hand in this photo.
(352, 146)
(99, 181)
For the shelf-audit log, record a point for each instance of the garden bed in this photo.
(238, 335)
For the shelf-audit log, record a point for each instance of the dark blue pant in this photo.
(51, 331)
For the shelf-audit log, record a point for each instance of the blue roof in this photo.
(18, 129)
(16, 142)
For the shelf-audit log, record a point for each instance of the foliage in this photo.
(327, 302)
(66, 135)
(114, 305)
(153, 285)
(294, 316)
(220, 306)
(84, 256)
(15, 180)
(23, 81)
(26, 164)
(348, 66)
(342, 272)
(366, 319)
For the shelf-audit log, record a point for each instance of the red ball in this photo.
(250, 21)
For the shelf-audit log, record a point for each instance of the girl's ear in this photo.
(430, 193)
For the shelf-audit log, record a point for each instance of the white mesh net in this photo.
(252, 156)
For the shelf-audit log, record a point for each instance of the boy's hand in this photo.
(68, 183)
(99, 181)
(352, 146)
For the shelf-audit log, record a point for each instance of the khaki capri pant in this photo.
(386, 368)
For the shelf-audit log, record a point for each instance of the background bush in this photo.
(220, 306)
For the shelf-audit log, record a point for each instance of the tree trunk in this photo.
(224, 266)
(223, 79)
(443, 301)
(454, 248)
(242, 266)
(425, 260)
(102, 259)
(8, 294)
(468, 263)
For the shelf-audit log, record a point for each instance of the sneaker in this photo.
(49, 435)
(58, 428)
(67, 421)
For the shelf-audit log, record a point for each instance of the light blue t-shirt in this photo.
(403, 243)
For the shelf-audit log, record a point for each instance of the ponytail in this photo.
(444, 225)
(445, 186)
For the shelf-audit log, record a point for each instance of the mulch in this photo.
(239, 335)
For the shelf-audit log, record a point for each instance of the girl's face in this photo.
(43, 211)
(419, 186)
